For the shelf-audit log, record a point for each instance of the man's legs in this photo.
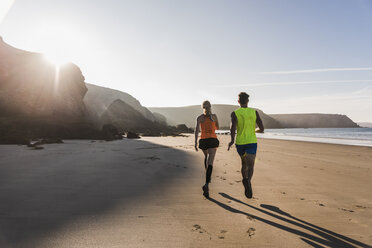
(247, 172)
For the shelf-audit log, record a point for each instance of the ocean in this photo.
(344, 136)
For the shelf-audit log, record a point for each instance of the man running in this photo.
(244, 120)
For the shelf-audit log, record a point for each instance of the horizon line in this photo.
(295, 83)
(317, 70)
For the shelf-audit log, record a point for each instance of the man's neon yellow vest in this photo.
(246, 126)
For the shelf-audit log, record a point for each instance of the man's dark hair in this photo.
(243, 98)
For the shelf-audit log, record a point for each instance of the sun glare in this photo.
(58, 42)
(56, 58)
(4, 8)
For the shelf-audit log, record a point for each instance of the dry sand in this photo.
(147, 193)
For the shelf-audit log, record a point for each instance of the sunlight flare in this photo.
(4, 8)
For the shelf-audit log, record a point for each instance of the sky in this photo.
(290, 56)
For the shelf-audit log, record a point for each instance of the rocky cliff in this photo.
(127, 119)
(314, 120)
(38, 98)
(29, 85)
(98, 99)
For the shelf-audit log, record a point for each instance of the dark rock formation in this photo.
(184, 129)
(132, 135)
(40, 142)
(110, 132)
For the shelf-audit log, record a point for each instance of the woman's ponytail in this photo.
(207, 108)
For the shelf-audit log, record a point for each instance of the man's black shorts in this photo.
(205, 144)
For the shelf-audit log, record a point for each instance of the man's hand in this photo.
(196, 147)
(258, 130)
(230, 144)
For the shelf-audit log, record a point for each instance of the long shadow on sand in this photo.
(326, 237)
(45, 190)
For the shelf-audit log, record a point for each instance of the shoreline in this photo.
(350, 141)
(326, 140)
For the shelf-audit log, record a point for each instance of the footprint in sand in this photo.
(223, 178)
(360, 206)
(152, 158)
(221, 236)
(231, 183)
(238, 181)
(346, 210)
(38, 148)
(283, 192)
(251, 231)
(321, 204)
(199, 229)
(249, 217)
(302, 199)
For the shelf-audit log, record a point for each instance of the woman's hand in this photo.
(196, 146)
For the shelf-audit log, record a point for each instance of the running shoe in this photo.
(205, 190)
(247, 188)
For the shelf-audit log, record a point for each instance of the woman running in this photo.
(208, 141)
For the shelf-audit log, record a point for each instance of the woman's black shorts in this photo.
(205, 144)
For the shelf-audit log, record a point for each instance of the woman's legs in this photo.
(208, 160)
(205, 158)
(211, 155)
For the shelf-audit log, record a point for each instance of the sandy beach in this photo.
(147, 193)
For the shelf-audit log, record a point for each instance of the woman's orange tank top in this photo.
(208, 128)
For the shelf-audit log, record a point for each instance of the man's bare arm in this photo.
(260, 125)
(234, 120)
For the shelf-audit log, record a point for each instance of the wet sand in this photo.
(147, 193)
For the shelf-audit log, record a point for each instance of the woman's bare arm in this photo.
(197, 129)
